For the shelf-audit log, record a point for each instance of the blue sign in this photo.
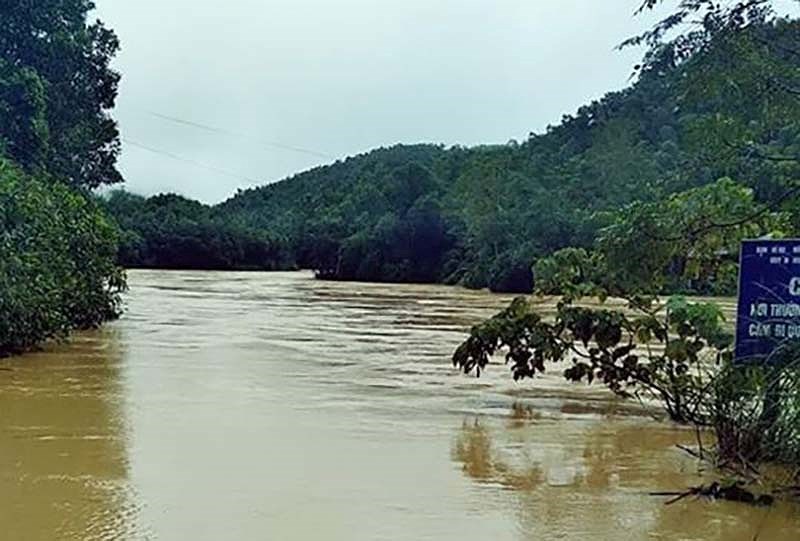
(768, 314)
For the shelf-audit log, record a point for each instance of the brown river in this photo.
(270, 406)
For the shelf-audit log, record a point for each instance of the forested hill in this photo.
(425, 213)
(481, 216)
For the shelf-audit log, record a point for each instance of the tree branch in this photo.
(726, 225)
(783, 85)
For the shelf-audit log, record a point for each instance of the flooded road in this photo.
(254, 406)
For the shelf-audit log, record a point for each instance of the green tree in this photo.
(24, 132)
(60, 61)
(678, 240)
(57, 268)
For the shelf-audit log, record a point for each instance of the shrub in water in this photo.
(57, 269)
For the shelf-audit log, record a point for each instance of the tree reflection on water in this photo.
(588, 476)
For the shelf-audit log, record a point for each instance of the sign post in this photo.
(768, 313)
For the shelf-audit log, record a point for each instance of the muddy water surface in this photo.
(272, 406)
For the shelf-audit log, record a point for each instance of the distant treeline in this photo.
(172, 232)
(482, 216)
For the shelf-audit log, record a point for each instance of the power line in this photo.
(230, 133)
(189, 161)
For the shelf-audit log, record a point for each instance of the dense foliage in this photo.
(56, 86)
(172, 232)
(57, 269)
(477, 216)
(57, 247)
(648, 348)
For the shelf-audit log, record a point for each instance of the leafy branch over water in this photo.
(676, 352)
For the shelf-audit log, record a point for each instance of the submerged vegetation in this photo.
(57, 269)
(57, 247)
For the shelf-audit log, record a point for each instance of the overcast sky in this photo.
(334, 78)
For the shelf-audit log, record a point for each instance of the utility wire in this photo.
(189, 161)
(230, 133)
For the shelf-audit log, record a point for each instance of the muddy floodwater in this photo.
(270, 406)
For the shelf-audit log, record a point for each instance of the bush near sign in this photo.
(768, 313)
